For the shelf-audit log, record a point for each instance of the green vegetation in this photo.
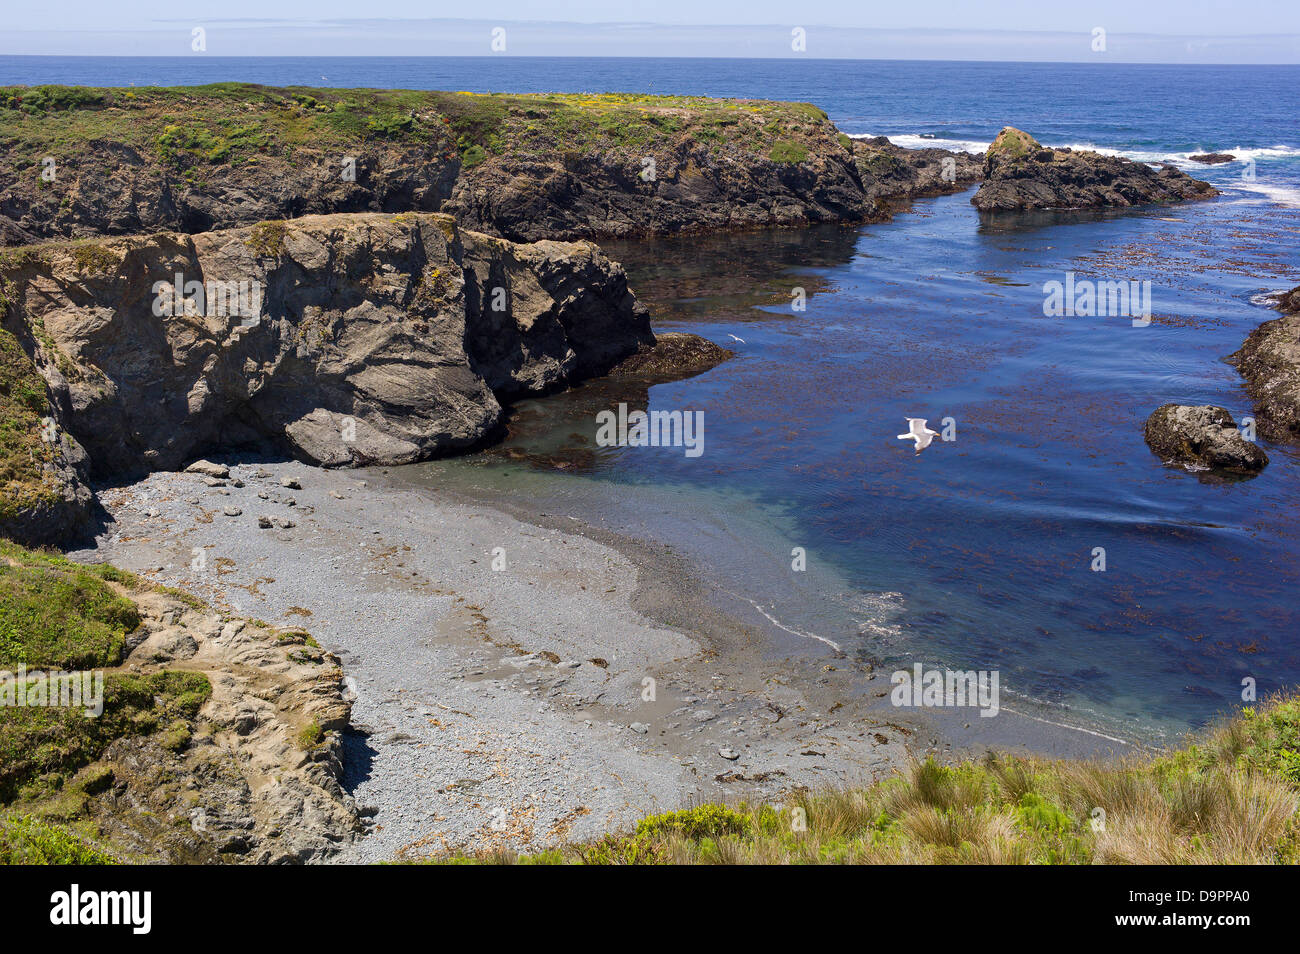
(790, 153)
(311, 736)
(23, 451)
(1230, 797)
(62, 615)
(27, 841)
(190, 129)
(1014, 143)
(94, 259)
(267, 239)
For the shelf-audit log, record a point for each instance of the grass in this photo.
(28, 841)
(58, 614)
(1229, 797)
(1014, 143)
(23, 450)
(193, 129)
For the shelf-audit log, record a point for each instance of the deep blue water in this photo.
(977, 553)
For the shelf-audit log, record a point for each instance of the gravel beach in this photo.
(513, 686)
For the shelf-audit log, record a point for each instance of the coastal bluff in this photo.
(343, 340)
(82, 161)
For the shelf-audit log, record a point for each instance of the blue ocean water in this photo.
(979, 552)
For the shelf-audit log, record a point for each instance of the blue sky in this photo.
(1217, 31)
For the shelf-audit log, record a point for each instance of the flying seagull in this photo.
(734, 338)
(917, 431)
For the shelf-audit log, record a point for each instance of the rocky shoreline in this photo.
(1269, 360)
(375, 291)
(524, 167)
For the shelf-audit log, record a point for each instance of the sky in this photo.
(1183, 31)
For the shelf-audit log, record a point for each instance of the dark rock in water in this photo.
(1020, 174)
(889, 171)
(1270, 362)
(1213, 158)
(1204, 438)
(1289, 302)
(674, 354)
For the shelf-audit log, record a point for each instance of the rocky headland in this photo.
(79, 161)
(1021, 174)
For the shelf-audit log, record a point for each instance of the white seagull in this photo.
(917, 431)
(734, 338)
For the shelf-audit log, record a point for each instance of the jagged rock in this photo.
(1213, 158)
(372, 339)
(889, 171)
(1202, 438)
(1289, 302)
(1020, 174)
(1269, 360)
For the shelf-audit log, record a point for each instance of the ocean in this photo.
(981, 552)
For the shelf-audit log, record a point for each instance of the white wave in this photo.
(1239, 153)
(1277, 194)
(908, 141)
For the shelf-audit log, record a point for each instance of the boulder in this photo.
(1213, 158)
(1202, 438)
(1021, 174)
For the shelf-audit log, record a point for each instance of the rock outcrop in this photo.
(525, 167)
(1202, 438)
(43, 494)
(1020, 174)
(1270, 362)
(1213, 158)
(348, 339)
(217, 740)
(892, 172)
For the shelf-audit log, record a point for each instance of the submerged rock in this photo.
(1021, 174)
(674, 354)
(1204, 438)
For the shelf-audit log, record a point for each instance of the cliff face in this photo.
(347, 339)
(1021, 174)
(77, 161)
